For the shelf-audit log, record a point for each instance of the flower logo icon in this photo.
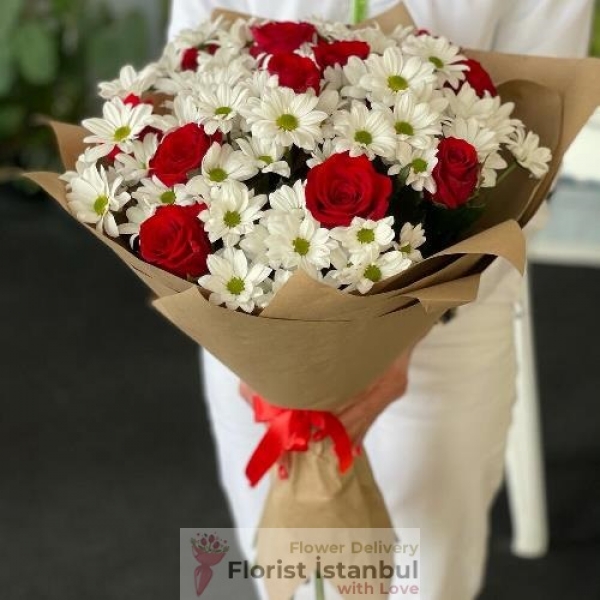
(209, 551)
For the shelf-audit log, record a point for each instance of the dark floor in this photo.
(104, 446)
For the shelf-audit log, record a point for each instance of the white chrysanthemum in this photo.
(363, 237)
(286, 117)
(378, 41)
(266, 154)
(321, 153)
(364, 131)
(363, 275)
(445, 57)
(218, 108)
(84, 161)
(354, 71)
(253, 244)
(153, 191)
(394, 73)
(183, 110)
(232, 281)
(294, 243)
(481, 138)
(412, 237)
(489, 111)
(222, 163)
(417, 164)
(489, 170)
(288, 200)
(136, 215)
(529, 154)
(231, 213)
(119, 126)
(200, 35)
(135, 166)
(93, 198)
(416, 122)
(129, 82)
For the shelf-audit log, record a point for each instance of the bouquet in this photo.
(306, 200)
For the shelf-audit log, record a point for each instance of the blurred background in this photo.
(105, 449)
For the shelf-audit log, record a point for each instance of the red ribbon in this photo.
(291, 431)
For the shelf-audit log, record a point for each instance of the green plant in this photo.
(52, 54)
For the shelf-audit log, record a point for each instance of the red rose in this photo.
(174, 240)
(285, 36)
(329, 54)
(344, 187)
(479, 79)
(180, 152)
(456, 173)
(296, 72)
(189, 59)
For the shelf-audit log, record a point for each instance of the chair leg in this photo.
(525, 465)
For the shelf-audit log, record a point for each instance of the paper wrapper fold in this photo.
(314, 347)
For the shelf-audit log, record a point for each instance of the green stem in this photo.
(319, 586)
(360, 10)
(506, 173)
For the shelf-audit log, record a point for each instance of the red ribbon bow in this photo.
(291, 431)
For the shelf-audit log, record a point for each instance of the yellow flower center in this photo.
(100, 205)
(287, 122)
(236, 286)
(397, 83)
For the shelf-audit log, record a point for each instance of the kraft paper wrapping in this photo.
(314, 347)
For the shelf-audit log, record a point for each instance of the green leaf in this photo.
(36, 53)
(9, 12)
(11, 119)
(6, 69)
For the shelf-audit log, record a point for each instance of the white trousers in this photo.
(437, 454)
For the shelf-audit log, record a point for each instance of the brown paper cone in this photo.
(316, 497)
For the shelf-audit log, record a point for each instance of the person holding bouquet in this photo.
(438, 453)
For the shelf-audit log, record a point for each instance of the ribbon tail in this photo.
(265, 456)
(342, 444)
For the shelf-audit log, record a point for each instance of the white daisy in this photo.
(364, 131)
(135, 166)
(183, 110)
(288, 200)
(136, 215)
(394, 73)
(219, 107)
(266, 154)
(129, 82)
(362, 276)
(529, 154)
(253, 244)
(353, 72)
(321, 153)
(294, 243)
(153, 191)
(416, 122)
(119, 126)
(445, 57)
(93, 199)
(481, 138)
(286, 118)
(412, 237)
(231, 213)
(364, 236)
(232, 281)
(222, 163)
(416, 165)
